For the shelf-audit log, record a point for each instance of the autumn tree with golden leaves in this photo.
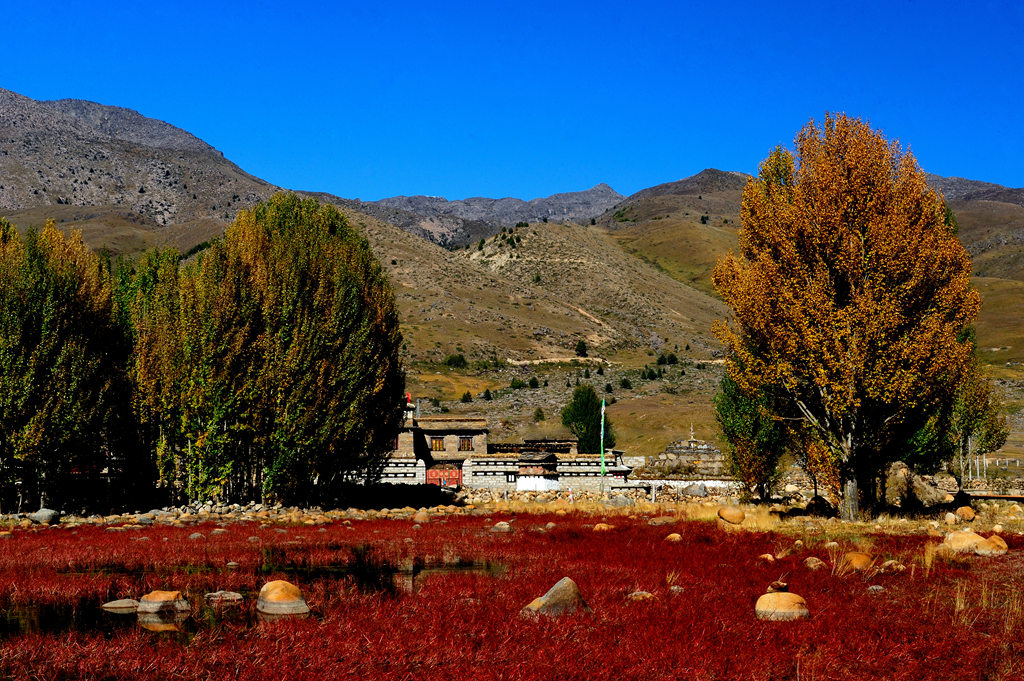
(850, 293)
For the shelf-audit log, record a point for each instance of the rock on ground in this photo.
(162, 601)
(281, 597)
(564, 597)
(781, 606)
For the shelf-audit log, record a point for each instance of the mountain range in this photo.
(629, 275)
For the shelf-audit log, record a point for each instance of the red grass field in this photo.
(957, 619)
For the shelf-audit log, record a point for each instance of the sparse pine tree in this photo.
(582, 416)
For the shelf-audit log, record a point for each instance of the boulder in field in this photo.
(662, 520)
(603, 527)
(891, 567)
(820, 506)
(856, 561)
(621, 501)
(45, 516)
(218, 598)
(121, 606)
(563, 598)
(280, 597)
(163, 601)
(421, 518)
(965, 513)
(638, 596)
(730, 517)
(501, 528)
(781, 606)
(674, 537)
(814, 563)
(963, 542)
(993, 546)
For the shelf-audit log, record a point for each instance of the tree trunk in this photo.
(849, 508)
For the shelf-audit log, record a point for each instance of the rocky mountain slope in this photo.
(567, 207)
(71, 152)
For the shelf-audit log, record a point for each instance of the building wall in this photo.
(451, 441)
(405, 470)
(490, 473)
(707, 460)
(537, 483)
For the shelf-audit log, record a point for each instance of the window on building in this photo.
(437, 444)
(465, 443)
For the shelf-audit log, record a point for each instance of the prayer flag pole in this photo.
(602, 447)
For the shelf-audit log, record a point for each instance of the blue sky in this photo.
(527, 99)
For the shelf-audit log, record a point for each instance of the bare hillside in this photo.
(77, 153)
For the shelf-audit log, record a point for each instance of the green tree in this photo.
(850, 296)
(457, 361)
(581, 348)
(582, 416)
(148, 303)
(284, 357)
(977, 423)
(756, 440)
(62, 385)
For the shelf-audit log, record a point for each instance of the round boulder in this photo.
(45, 516)
(993, 546)
(603, 527)
(162, 601)
(814, 563)
(281, 598)
(963, 542)
(856, 561)
(501, 528)
(781, 606)
(965, 513)
(674, 537)
(730, 517)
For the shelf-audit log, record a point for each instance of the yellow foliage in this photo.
(850, 292)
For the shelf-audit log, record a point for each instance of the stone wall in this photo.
(405, 470)
(707, 460)
(490, 472)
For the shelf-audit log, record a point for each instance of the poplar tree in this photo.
(850, 296)
(61, 363)
(269, 366)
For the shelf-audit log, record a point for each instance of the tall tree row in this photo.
(267, 367)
